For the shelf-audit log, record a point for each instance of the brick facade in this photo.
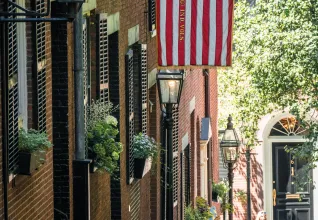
(31, 197)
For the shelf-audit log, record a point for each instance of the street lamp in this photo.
(229, 146)
(169, 89)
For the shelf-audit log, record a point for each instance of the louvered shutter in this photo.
(152, 15)
(140, 87)
(175, 148)
(185, 178)
(39, 68)
(130, 114)
(86, 78)
(102, 59)
(11, 65)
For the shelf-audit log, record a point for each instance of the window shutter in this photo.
(175, 148)
(86, 68)
(144, 88)
(39, 69)
(102, 59)
(130, 114)
(152, 15)
(11, 65)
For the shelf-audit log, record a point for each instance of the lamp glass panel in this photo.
(229, 136)
(229, 154)
(169, 91)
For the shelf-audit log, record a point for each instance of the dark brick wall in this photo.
(62, 115)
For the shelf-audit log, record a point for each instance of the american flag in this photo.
(194, 32)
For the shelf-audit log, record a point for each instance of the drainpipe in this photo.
(207, 115)
(81, 181)
(4, 120)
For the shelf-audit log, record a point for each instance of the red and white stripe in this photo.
(202, 38)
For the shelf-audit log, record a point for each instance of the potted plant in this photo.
(145, 151)
(241, 196)
(32, 150)
(102, 131)
(203, 208)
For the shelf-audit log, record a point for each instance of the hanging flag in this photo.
(194, 32)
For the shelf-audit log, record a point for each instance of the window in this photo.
(287, 126)
(152, 16)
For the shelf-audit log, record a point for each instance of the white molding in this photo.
(192, 105)
(113, 23)
(22, 74)
(133, 35)
(152, 78)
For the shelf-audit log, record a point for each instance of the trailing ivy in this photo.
(275, 68)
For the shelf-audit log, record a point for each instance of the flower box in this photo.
(142, 167)
(214, 196)
(29, 162)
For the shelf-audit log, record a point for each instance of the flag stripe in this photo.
(212, 35)
(199, 32)
(163, 32)
(219, 29)
(225, 23)
(175, 32)
(158, 3)
(205, 34)
(181, 40)
(229, 38)
(187, 44)
(193, 32)
(169, 31)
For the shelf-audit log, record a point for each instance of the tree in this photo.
(275, 67)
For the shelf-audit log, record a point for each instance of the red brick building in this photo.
(119, 60)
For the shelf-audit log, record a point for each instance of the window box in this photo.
(29, 162)
(142, 167)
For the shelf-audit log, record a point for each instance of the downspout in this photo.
(4, 121)
(207, 115)
(79, 87)
(81, 176)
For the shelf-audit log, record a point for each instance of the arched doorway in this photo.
(283, 198)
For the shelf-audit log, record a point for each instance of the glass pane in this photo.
(169, 91)
(301, 176)
(283, 171)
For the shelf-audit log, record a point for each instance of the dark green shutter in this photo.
(102, 59)
(39, 68)
(130, 114)
(152, 15)
(175, 148)
(12, 94)
(144, 88)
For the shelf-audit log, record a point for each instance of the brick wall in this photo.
(63, 115)
(31, 197)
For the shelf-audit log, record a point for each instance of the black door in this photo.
(291, 199)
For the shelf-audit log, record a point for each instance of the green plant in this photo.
(145, 146)
(203, 208)
(33, 140)
(221, 188)
(101, 135)
(241, 195)
(192, 213)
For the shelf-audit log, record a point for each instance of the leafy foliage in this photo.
(275, 63)
(145, 146)
(222, 189)
(33, 140)
(201, 212)
(241, 195)
(101, 134)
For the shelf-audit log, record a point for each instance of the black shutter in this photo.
(86, 78)
(39, 69)
(11, 68)
(152, 15)
(130, 114)
(102, 71)
(140, 87)
(185, 179)
(144, 88)
(175, 148)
